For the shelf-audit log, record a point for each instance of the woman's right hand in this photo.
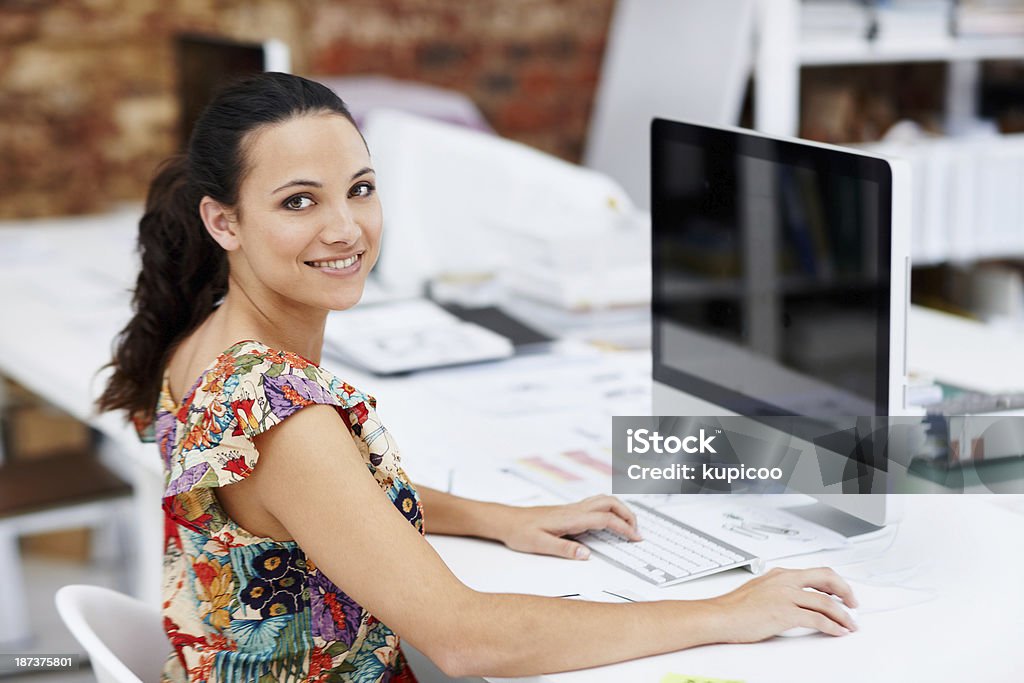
(776, 601)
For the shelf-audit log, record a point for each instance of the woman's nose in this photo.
(342, 227)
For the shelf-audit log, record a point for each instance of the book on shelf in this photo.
(966, 199)
(989, 18)
(830, 20)
(913, 21)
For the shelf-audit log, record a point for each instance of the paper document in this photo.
(589, 385)
(606, 596)
(485, 482)
(403, 336)
(571, 474)
(763, 532)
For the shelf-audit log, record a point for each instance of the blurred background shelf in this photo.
(818, 52)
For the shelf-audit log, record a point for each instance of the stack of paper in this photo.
(582, 267)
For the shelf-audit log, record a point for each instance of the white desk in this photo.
(969, 549)
(63, 287)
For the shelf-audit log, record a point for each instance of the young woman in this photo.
(296, 553)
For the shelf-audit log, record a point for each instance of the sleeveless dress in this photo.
(241, 608)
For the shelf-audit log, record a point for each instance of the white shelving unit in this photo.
(967, 194)
(782, 52)
(822, 53)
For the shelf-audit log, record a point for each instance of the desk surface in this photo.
(962, 555)
(64, 294)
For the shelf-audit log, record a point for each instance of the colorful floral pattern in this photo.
(237, 607)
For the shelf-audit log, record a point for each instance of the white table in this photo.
(962, 555)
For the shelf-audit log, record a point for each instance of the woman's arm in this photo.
(456, 516)
(536, 529)
(311, 478)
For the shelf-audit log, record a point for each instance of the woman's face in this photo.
(308, 218)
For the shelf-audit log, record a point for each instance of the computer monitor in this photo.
(780, 287)
(207, 62)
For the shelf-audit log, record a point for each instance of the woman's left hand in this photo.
(541, 529)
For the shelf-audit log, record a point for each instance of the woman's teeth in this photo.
(335, 264)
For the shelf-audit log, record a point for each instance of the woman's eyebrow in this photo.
(303, 183)
(314, 183)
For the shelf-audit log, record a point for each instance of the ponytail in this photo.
(183, 277)
(184, 272)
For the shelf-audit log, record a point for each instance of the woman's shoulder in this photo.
(252, 372)
(250, 388)
(253, 385)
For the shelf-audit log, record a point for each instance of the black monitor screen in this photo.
(771, 272)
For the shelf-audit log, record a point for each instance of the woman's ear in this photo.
(220, 223)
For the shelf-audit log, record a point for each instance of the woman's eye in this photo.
(362, 190)
(298, 202)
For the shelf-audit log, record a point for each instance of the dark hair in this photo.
(184, 272)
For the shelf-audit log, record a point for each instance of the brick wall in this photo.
(530, 65)
(87, 103)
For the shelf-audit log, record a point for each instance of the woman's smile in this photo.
(339, 267)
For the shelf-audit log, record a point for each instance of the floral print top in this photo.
(238, 607)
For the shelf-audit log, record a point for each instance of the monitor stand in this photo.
(846, 525)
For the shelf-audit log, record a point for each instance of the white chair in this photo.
(123, 637)
(126, 642)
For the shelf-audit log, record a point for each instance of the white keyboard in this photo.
(671, 552)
